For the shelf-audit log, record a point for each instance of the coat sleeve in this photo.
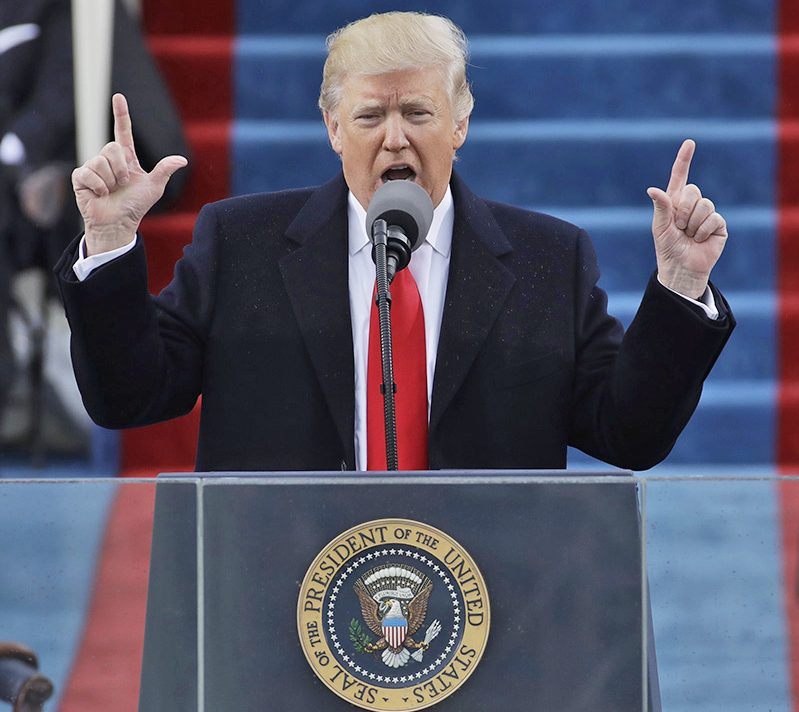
(138, 359)
(633, 397)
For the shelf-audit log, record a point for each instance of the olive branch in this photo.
(358, 637)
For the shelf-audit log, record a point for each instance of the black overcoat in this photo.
(257, 320)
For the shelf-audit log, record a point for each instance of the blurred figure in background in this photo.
(38, 217)
(37, 146)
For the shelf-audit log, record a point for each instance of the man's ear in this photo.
(459, 135)
(331, 122)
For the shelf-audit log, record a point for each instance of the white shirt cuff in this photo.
(706, 301)
(84, 266)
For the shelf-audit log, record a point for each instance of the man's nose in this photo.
(395, 138)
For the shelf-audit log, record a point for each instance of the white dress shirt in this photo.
(430, 268)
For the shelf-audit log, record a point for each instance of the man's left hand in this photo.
(689, 233)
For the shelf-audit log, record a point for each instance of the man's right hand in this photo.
(112, 190)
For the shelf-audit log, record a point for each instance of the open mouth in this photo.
(400, 173)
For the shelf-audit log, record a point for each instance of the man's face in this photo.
(396, 126)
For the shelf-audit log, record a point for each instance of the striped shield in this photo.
(394, 631)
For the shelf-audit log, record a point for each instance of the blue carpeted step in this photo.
(749, 354)
(547, 77)
(623, 242)
(612, 163)
(519, 16)
(735, 424)
(602, 164)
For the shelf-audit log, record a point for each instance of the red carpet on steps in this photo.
(788, 276)
(193, 44)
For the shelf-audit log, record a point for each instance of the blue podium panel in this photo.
(560, 559)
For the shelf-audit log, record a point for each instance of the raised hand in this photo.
(689, 233)
(113, 191)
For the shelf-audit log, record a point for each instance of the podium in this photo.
(560, 555)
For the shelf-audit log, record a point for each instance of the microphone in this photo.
(399, 216)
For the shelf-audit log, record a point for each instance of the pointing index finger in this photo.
(679, 171)
(123, 129)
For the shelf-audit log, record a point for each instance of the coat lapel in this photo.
(316, 278)
(477, 287)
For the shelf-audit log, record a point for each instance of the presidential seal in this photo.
(393, 615)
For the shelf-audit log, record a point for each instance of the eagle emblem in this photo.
(393, 602)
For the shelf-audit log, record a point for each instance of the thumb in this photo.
(664, 211)
(166, 167)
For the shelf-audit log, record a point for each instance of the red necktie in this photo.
(410, 376)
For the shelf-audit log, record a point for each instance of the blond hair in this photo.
(396, 41)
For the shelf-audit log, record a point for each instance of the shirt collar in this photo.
(439, 235)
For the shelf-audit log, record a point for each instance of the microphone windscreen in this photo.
(402, 204)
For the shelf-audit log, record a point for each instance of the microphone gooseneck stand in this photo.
(383, 299)
(399, 213)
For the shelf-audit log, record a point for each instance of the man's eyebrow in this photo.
(373, 105)
(420, 100)
(406, 102)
